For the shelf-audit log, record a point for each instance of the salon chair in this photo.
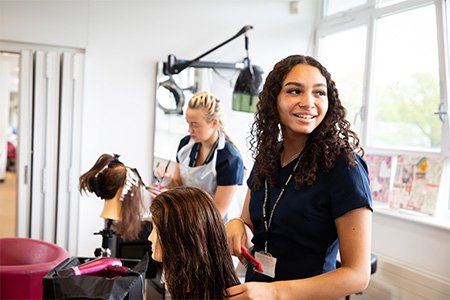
(373, 269)
(23, 264)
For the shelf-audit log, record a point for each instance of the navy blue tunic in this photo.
(303, 235)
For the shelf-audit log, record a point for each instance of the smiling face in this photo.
(199, 128)
(303, 101)
(156, 247)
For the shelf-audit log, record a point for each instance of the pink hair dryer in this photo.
(91, 267)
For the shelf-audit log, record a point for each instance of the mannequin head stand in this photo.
(107, 239)
(121, 189)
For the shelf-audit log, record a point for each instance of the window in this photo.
(406, 81)
(390, 62)
(336, 6)
(346, 63)
(384, 3)
(390, 70)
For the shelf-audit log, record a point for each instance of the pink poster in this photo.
(416, 183)
(380, 176)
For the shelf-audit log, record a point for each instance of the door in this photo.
(49, 143)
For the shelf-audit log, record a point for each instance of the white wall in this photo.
(124, 39)
(424, 248)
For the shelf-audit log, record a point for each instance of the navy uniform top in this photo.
(229, 165)
(303, 235)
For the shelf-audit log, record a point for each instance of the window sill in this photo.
(438, 222)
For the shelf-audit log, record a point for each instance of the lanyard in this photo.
(208, 158)
(267, 220)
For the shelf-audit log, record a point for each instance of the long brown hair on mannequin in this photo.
(195, 253)
(105, 179)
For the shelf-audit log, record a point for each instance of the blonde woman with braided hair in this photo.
(207, 158)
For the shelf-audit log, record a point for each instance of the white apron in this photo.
(204, 176)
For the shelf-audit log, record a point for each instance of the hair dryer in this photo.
(112, 271)
(91, 267)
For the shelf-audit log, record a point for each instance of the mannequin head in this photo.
(189, 239)
(112, 208)
(120, 187)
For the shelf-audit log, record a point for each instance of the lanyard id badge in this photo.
(268, 262)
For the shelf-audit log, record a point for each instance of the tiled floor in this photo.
(8, 205)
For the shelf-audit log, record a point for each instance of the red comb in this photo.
(250, 262)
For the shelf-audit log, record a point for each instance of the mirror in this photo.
(172, 96)
(9, 107)
(170, 123)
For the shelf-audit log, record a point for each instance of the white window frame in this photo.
(366, 15)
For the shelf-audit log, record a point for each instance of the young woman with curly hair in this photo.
(309, 192)
(189, 239)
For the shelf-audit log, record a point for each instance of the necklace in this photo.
(287, 161)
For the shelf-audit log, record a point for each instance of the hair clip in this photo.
(129, 182)
(116, 160)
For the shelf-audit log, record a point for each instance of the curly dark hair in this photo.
(332, 137)
(195, 253)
